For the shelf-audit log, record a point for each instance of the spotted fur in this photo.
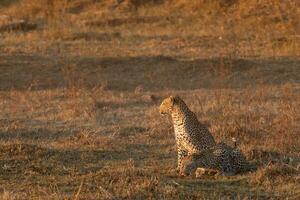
(223, 158)
(191, 135)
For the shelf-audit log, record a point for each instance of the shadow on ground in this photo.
(33, 135)
(149, 73)
(17, 158)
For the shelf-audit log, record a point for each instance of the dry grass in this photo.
(199, 28)
(79, 97)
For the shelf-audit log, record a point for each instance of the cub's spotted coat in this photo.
(221, 157)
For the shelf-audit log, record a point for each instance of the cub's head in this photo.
(167, 105)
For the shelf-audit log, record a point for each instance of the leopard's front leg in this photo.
(182, 153)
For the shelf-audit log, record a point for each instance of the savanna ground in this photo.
(80, 90)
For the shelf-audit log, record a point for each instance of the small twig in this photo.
(176, 183)
(79, 190)
(107, 193)
(292, 167)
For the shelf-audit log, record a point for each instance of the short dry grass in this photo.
(79, 99)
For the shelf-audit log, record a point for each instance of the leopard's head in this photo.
(167, 105)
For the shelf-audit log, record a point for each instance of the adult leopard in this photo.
(191, 135)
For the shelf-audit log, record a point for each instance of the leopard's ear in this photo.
(174, 99)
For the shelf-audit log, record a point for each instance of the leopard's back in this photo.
(194, 135)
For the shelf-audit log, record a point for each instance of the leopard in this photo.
(191, 135)
(221, 158)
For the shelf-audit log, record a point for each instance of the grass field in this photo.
(79, 97)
